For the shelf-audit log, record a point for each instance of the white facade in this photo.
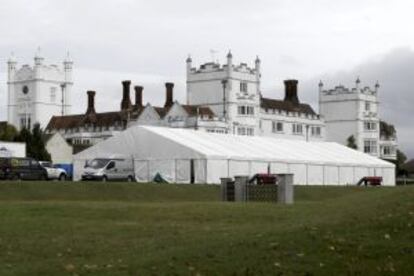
(354, 112)
(60, 151)
(287, 125)
(233, 93)
(12, 149)
(36, 93)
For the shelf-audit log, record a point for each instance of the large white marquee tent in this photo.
(181, 155)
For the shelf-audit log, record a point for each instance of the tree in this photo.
(35, 146)
(8, 133)
(351, 142)
(401, 159)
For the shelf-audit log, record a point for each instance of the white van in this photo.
(105, 169)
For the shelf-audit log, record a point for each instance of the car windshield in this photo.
(97, 163)
(46, 164)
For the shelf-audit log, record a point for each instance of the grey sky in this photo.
(148, 41)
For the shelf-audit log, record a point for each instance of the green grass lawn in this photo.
(138, 229)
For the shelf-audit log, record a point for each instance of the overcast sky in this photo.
(148, 42)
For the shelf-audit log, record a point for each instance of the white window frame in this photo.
(370, 126)
(245, 110)
(297, 129)
(277, 127)
(370, 146)
(316, 131)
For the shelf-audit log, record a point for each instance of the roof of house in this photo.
(162, 111)
(286, 106)
(103, 119)
(194, 110)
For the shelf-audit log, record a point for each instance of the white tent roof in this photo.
(145, 142)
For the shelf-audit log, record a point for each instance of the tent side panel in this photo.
(279, 167)
(258, 167)
(216, 169)
(78, 165)
(166, 168)
(200, 167)
(182, 171)
(141, 168)
(299, 173)
(346, 175)
(315, 175)
(239, 168)
(331, 175)
(388, 175)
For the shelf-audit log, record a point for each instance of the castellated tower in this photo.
(38, 92)
(231, 91)
(352, 112)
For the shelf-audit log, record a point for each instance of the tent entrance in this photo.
(192, 172)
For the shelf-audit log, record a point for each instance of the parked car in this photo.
(53, 172)
(105, 169)
(21, 168)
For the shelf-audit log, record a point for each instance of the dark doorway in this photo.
(192, 173)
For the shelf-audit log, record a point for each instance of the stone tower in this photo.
(38, 92)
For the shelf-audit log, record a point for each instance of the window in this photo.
(245, 131)
(387, 150)
(26, 123)
(53, 94)
(370, 126)
(367, 106)
(316, 131)
(277, 127)
(245, 110)
(297, 129)
(370, 146)
(243, 87)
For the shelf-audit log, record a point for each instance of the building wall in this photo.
(60, 151)
(267, 119)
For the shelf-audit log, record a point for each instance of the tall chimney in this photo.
(138, 96)
(291, 91)
(126, 101)
(91, 102)
(169, 94)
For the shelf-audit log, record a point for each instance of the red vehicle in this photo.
(264, 179)
(370, 180)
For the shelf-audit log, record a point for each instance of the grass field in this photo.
(140, 229)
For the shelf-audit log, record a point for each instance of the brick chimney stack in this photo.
(291, 91)
(91, 102)
(126, 101)
(169, 94)
(138, 96)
